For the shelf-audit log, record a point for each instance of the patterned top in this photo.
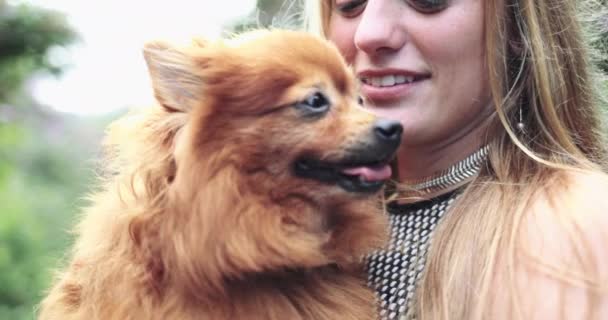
(395, 271)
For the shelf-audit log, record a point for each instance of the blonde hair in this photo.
(538, 65)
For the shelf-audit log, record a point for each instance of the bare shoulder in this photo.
(562, 261)
(588, 189)
(571, 200)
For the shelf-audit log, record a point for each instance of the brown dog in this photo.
(248, 193)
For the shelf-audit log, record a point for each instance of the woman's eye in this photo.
(428, 6)
(350, 8)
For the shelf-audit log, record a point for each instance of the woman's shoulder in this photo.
(570, 211)
(564, 248)
(580, 196)
(586, 185)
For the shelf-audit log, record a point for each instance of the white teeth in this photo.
(404, 79)
(388, 81)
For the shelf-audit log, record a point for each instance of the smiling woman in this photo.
(498, 211)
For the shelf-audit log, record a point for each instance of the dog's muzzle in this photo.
(364, 168)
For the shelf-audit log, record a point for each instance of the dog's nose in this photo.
(388, 130)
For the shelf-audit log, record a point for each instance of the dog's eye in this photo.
(314, 104)
(317, 101)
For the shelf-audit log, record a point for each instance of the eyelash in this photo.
(353, 7)
(428, 6)
(350, 8)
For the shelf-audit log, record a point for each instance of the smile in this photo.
(391, 80)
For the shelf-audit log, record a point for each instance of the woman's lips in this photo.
(387, 93)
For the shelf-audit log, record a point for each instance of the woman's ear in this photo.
(176, 75)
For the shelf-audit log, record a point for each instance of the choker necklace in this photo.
(452, 176)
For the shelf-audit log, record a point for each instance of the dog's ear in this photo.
(176, 75)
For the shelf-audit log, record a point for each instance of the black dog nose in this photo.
(388, 130)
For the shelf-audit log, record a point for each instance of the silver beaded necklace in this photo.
(454, 175)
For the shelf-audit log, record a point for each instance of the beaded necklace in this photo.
(447, 178)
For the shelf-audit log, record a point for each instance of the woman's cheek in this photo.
(341, 33)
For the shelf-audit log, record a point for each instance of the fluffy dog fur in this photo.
(201, 216)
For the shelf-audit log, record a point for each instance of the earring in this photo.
(520, 124)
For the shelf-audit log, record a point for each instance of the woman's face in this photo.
(419, 61)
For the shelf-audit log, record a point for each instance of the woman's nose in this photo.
(380, 28)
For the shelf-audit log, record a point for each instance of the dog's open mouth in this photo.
(352, 176)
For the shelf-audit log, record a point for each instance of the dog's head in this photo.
(274, 156)
(282, 107)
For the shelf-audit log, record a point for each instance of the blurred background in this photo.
(68, 68)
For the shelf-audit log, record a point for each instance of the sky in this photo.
(106, 70)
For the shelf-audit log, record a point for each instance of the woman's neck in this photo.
(421, 161)
(443, 181)
(419, 164)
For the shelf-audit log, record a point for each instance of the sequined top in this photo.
(395, 271)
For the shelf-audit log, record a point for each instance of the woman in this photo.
(501, 209)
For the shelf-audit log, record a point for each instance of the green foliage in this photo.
(26, 35)
(21, 247)
(602, 42)
(594, 14)
(20, 243)
(35, 175)
(45, 169)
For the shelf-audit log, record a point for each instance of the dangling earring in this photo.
(520, 124)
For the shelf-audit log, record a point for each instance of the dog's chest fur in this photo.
(319, 295)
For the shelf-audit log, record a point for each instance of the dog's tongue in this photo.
(370, 173)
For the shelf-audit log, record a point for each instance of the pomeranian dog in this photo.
(249, 192)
